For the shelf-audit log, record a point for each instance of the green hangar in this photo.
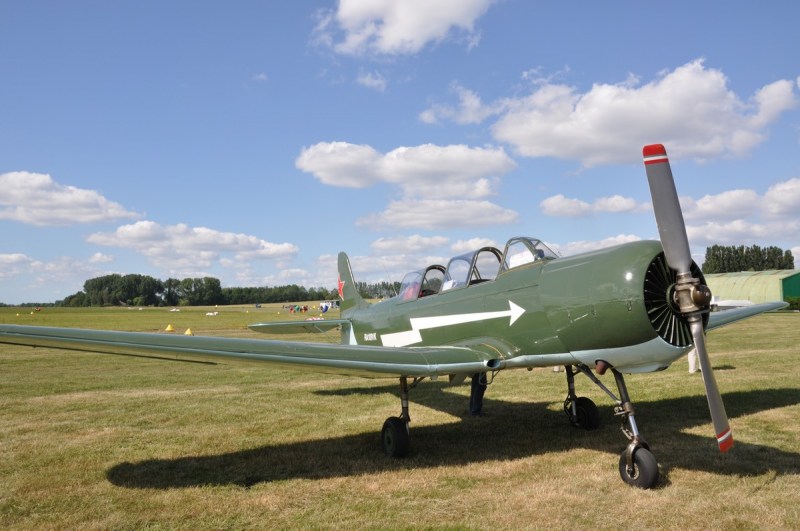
(755, 286)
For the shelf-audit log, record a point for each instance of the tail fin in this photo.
(347, 286)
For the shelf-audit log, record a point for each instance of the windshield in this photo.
(409, 288)
(522, 251)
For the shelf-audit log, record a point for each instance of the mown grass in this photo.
(96, 441)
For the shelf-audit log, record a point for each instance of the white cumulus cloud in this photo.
(583, 246)
(728, 205)
(426, 170)
(783, 199)
(408, 244)
(341, 164)
(36, 199)
(744, 217)
(12, 264)
(465, 246)
(388, 27)
(691, 109)
(182, 248)
(439, 214)
(561, 206)
(741, 232)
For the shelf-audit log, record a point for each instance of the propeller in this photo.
(691, 297)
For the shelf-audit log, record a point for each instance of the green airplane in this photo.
(632, 308)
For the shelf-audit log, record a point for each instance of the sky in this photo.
(252, 141)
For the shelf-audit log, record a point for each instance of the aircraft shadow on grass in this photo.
(507, 431)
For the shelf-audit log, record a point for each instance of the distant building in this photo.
(755, 286)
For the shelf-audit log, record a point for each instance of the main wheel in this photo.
(394, 437)
(586, 414)
(645, 469)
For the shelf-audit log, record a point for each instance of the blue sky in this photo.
(252, 141)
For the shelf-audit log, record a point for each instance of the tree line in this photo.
(378, 290)
(144, 290)
(732, 259)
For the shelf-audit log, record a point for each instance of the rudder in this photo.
(348, 291)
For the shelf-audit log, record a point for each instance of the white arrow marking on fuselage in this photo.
(409, 337)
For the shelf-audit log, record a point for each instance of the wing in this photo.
(361, 360)
(724, 317)
(298, 327)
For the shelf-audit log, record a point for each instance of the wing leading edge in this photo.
(361, 360)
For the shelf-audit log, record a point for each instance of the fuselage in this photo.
(583, 308)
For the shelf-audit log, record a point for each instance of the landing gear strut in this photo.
(477, 390)
(637, 465)
(395, 435)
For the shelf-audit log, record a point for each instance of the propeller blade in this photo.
(718, 416)
(669, 217)
(692, 298)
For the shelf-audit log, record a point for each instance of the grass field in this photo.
(95, 441)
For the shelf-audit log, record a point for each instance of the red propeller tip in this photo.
(725, 440)
(654, 149)
(654, 154)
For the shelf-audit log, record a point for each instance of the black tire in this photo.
(395, 438)
(645, 469)
(588, 416)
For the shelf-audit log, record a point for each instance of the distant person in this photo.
(693, 365)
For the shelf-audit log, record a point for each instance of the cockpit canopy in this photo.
(422, 283)
(474, 267)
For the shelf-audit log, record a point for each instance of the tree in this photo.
(101, 291)
(190, 291)
(200, 291)
(117, 289)
(170, 293)
(212, 291)
(76, 300)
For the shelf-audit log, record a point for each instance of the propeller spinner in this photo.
(691, 296)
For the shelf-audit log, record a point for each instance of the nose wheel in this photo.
(637, 465)
(643, 470)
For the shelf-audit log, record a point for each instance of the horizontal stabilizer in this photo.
(298, 327)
